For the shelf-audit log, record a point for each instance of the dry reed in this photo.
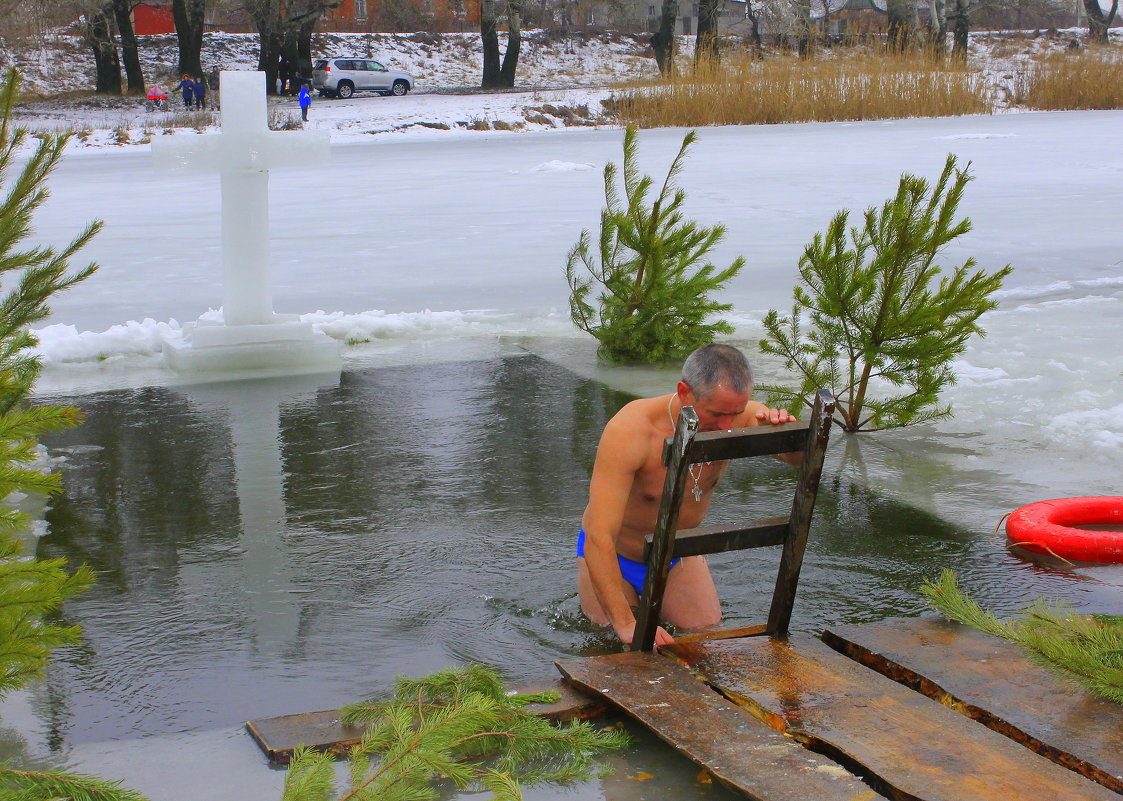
(860, 86)
(1088, 79)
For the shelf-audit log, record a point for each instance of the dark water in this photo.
(272, 547)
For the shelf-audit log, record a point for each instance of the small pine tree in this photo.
(31, 590)
(653, 305)
(1086, 649)
(877, 315)
(457, 725)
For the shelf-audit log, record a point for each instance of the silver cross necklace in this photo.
(697, 491)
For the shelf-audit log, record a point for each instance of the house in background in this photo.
(153, 17)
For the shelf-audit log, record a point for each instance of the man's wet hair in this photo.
(712, 366)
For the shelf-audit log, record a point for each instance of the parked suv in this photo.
(342, 76)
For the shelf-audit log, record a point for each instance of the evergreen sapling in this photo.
(875, 322)
(32, 590)
(650, 268)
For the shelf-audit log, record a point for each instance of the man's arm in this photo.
(620, 456)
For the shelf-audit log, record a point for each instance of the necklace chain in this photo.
(697, 490)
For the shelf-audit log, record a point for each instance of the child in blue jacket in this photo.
(305, 101)
(200, 91)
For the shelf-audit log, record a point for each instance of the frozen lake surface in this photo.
(448, 256)
(416, 242)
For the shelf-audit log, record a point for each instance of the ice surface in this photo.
(408, 242)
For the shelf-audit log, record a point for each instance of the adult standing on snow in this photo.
(212, 84)
(187, 85)
(305, 101)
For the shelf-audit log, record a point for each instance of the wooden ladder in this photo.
(688, 447)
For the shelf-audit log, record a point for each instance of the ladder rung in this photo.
(716, 539)
(717, 446)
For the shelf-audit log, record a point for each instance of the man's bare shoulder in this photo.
(631, 429)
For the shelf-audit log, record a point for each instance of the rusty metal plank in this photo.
(322, 731)
(993, 681)
(740, 751)
(908, 746)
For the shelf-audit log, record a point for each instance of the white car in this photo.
(342, 76)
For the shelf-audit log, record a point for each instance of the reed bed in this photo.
(859, 86)
(1088, 79)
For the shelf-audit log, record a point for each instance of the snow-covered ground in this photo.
(562, 82)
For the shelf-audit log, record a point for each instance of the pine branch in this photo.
(1085, 649)
(45, 786)
(462, 726)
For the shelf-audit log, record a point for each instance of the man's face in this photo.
(717, 410)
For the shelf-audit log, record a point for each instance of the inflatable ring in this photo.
(1051, 527)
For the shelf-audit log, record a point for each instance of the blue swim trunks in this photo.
(635, 573)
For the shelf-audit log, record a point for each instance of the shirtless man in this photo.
(627, 486)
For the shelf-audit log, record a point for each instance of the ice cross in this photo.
(243, 154)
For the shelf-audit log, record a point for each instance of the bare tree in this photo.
(663, 40)
(122, 13)
(803, 28)
(903, 23)
(188, 18)
(489, 36)
(514, 43)
(706, 39)
(1099, 20)
(495, 73)
(937, 28)
(753, 15)
(961, 27)
(285, 29)
(98, 34)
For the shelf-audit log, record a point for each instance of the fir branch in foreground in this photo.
(31, 785)
(459, 726)
(1086, 649)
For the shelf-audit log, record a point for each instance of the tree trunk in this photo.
(514, 43)
(266, 16)
(122, 13)
(902, 24)
(663, 40)
(107, 67)
(803, 28)
(188, 17)
(961, 26)
(304, 48)
(706, 47)
(938, 28)
(1098, 21)
(754, 19)
(489, 35)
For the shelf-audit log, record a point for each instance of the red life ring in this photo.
(1049, 527)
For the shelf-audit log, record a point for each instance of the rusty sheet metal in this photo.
(737, 749)
(909, 746)
(994, 682)
(322, 731)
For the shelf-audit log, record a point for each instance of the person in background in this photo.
(212, 84)
(187, 86)
(305, 101)
(200, 91)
